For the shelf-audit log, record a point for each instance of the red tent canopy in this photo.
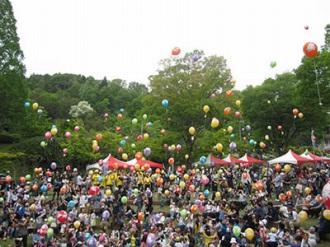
(151, 163)
(216, 161)
(249, 160)
(312, 156)
(290, 157)
(111, 160)
(231, 160)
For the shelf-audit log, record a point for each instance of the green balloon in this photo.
(145, 116)
(50, 219)
(43, 144)
(220, 171)
(28, 177)
(269, 127)
(133, 145)
(1, 199)
(124, 200)
(136, 191)
(183, 213)
(50, 232)
(134, 121)
(272, 64)
(236, 231)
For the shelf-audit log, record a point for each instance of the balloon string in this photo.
(317, 83)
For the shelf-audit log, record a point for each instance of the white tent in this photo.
(291, 158)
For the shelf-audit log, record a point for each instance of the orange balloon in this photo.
(191, 188)
(35, 187)
(141, 216)
(183, 167)
(282, 197)
(193, 172)
(194, 209)
(259, 186)
(99, 137)
(8, 179)
(295, 111)
(310, 49)
(171, 161)
(146, 166)
(288, 194)
(229, 93)
(22, 179)
(157, 170)
(138, 156)
(176, 51)
(115, 166)
(63, 190)
(227, 111)
(245, 175)
(319, 199)
(277, 167)
(159, 181)
(202, 197)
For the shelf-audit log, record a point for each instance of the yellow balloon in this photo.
(326, 214)
(307, 190)
(76, 224)
(262, 145)
(35, 106)
(206, 108)
(172, 177)
(137, 167)
(217, 195)
(53, 131)
(167, 192)
(192, 130)
(146, 136)
(249, 233)
(173, 147)
(90, 173)
(215, 122)
(108, 192)
(287, 168)
(219, 147)
(186, 176)
(33, 207)
(182, 184)
(186, 156)
(230, 129)
(233, 81)
(300, 115)
(238, 103)
(267, 137)
(124, 156)
(303, 216)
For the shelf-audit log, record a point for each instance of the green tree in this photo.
(13, 87)
(187, 84)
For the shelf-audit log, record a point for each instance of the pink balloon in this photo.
(201, 208)
(62, 216)
(77, 128)
(100, 162)
(326, 195)
(65, 150)
(106, 115)
(237, 114)
(67, 135)
(48, 135)
(213, 96)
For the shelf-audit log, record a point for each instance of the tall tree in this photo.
(13, 88)
(185, 85)
(326, 45)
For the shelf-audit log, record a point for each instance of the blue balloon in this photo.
(150, 124)
(165, 103)
(202, 160)
(121, 110)
(27, 104)
(54, 126)
(43, 188)
(206, 193)
(232, 136)
(251, 142)
(99, 178)
(71, 204)
(122, 143)
(87, 236)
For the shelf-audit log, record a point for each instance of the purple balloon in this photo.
(248, 128)
(148, 192)
(147, 152)
(151, 239)
(157, 217)
(198, 202)
(105, 215)
(195, 57)
(233, 146)
(92, 242)
(39, 111)
(126, 138)
(38, 208)
(53, 165)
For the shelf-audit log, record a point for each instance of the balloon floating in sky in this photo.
(310, 49)
(165, 103)
(272, 64)
(176, 51)
(195, 57)
(306, 27)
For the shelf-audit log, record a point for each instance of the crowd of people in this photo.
(202, 206)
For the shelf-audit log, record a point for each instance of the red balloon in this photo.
(326, 195)
(94, 190)
(62, 216)
(68, 168)
(49, 186)
(279, 127)
(179, 169)
(176, 51)
(310, 49)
